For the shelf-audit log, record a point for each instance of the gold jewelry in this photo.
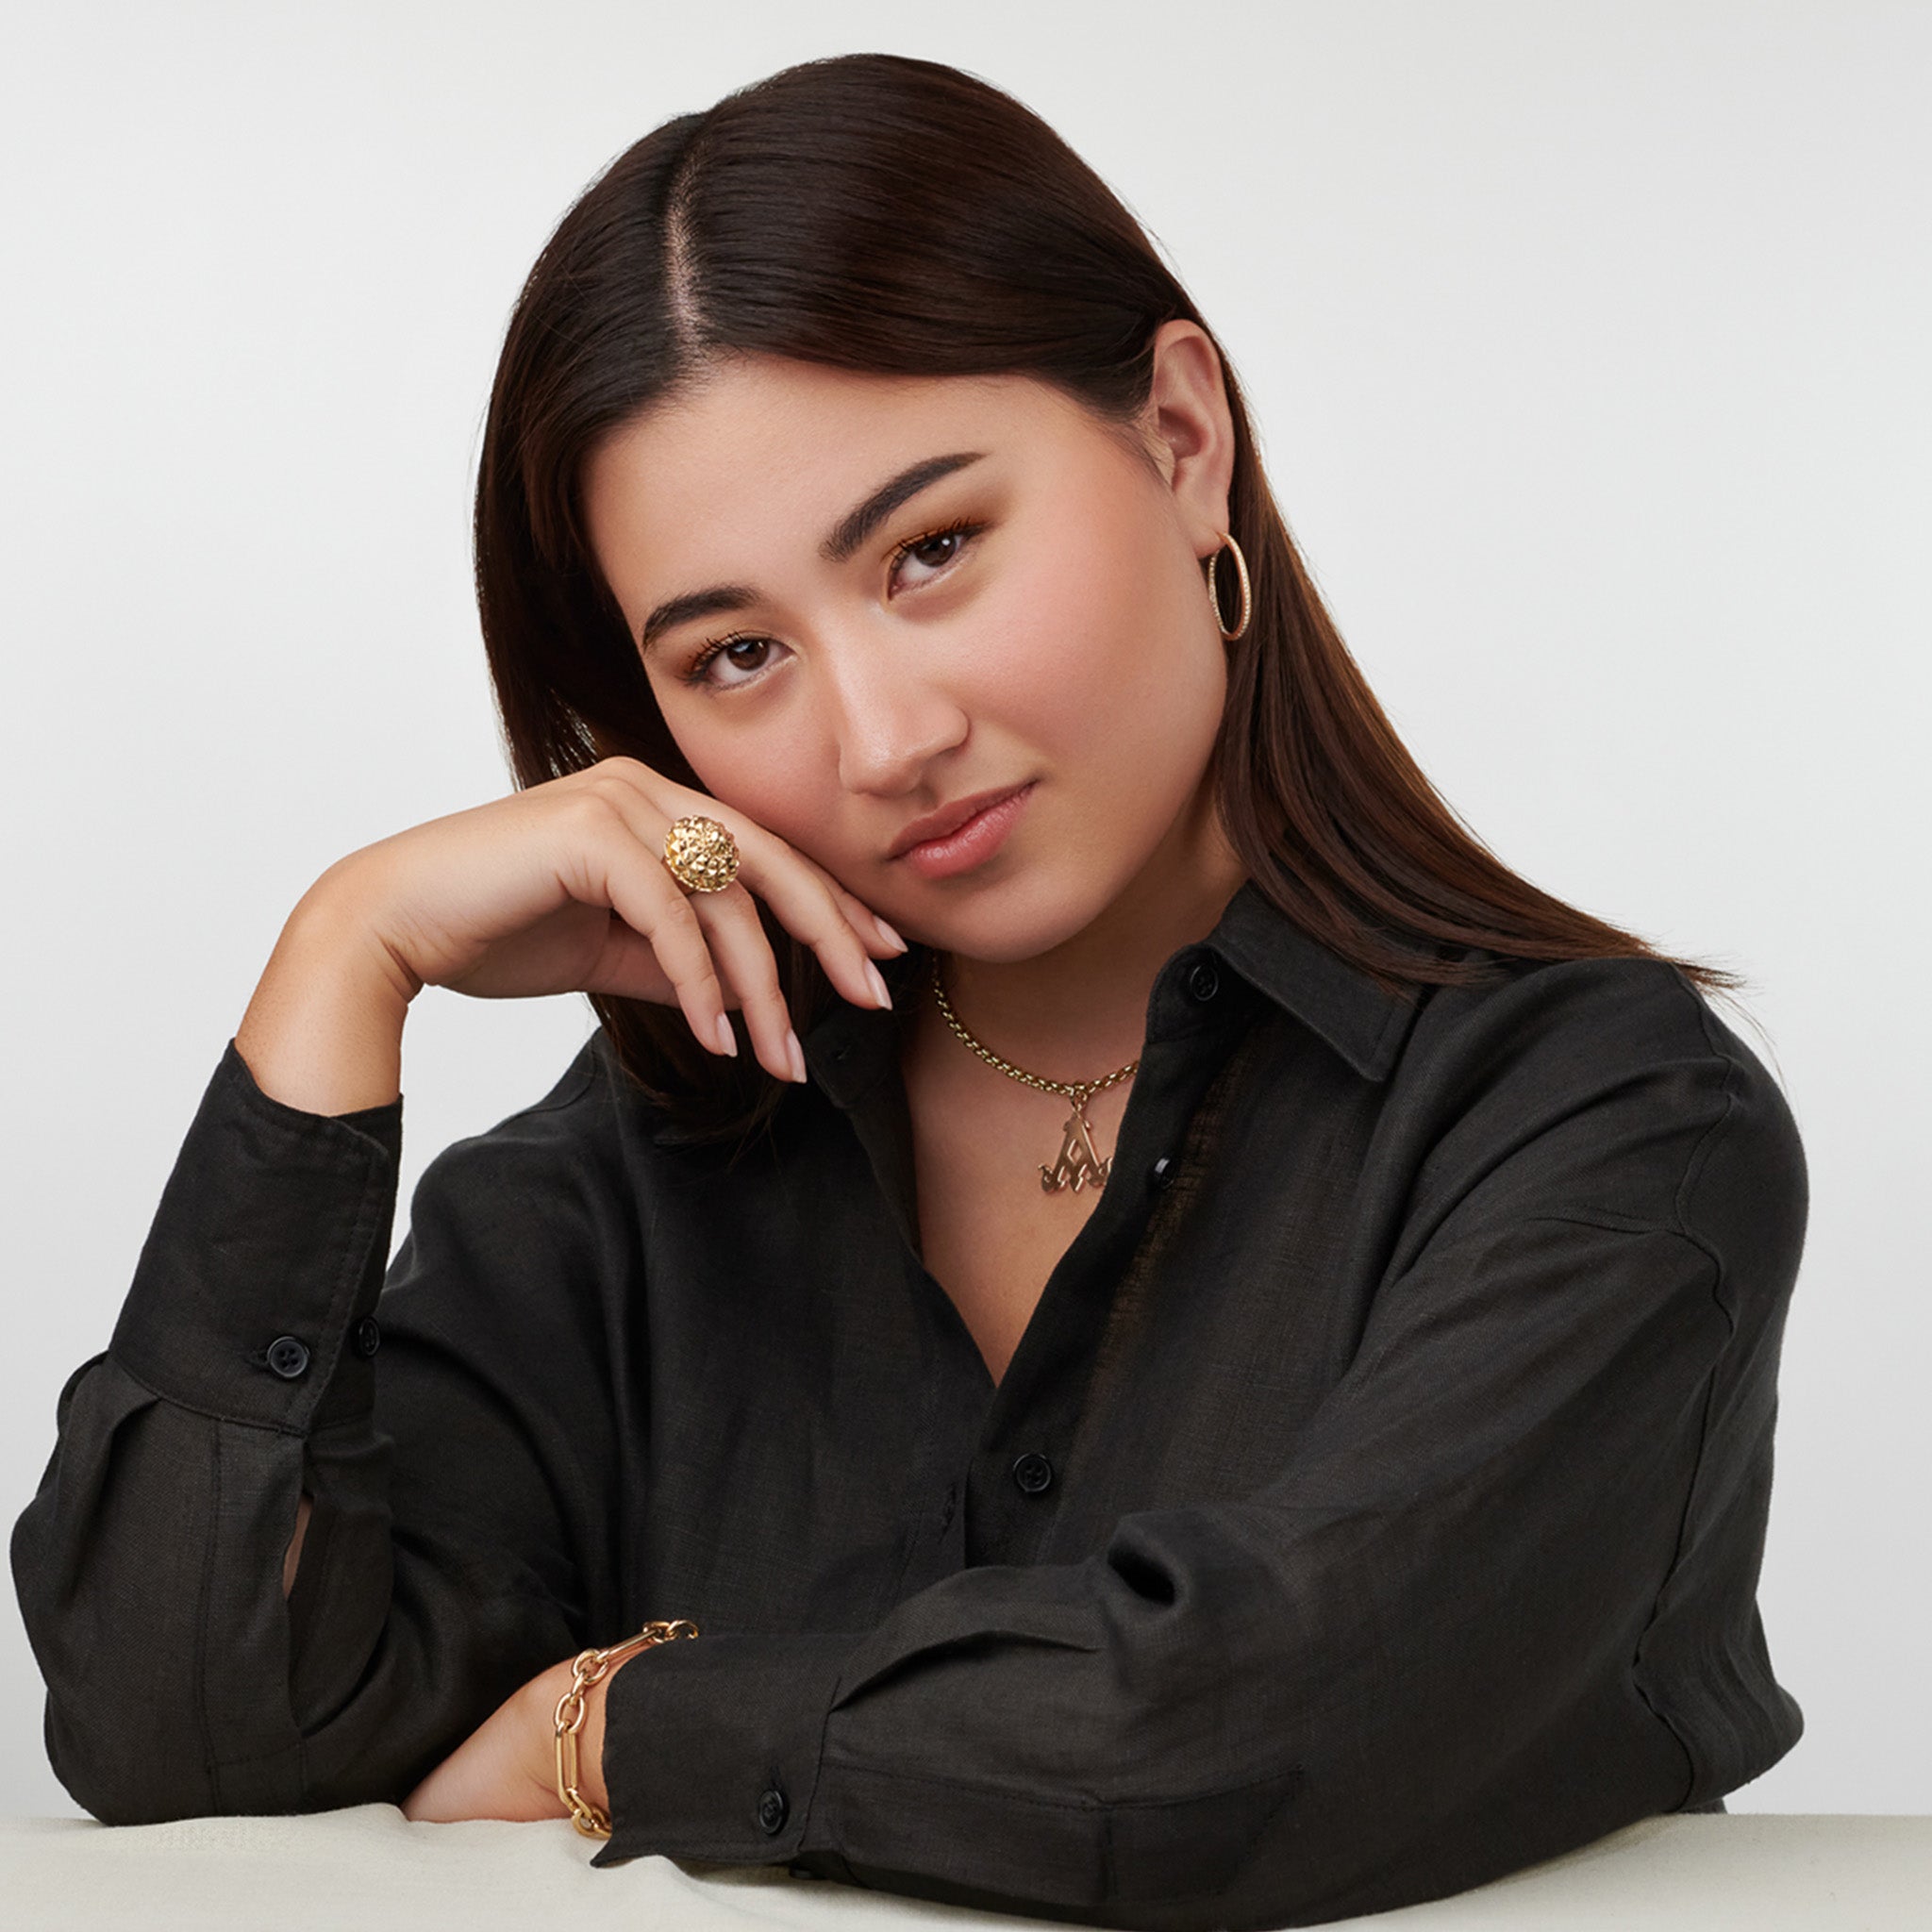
(1240, 570)
(592, 1667)
(1079, 1164)
(701, 854)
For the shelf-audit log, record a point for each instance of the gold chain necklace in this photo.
(1079, 1165)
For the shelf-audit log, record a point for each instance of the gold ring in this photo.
(701, 854)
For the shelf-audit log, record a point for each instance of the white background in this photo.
(1590, 348)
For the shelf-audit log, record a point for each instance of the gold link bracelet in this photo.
(592, 1667)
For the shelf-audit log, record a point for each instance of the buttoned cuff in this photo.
(253, 1295)
(712, 1745)
(751, 1750)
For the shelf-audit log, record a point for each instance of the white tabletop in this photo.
(368, 1868)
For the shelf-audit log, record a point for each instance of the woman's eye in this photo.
(931, 554)
(746, 653)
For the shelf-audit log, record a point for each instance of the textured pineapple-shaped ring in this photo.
(701, 854)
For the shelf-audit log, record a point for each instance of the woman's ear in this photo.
(1189, 429)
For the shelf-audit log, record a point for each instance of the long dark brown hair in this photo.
(897, 216)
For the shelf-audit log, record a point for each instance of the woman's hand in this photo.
(506, 1767)
(562, 888)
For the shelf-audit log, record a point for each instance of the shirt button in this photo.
(1033, 1472)
(771, 1810)
(1162, 1171)
(288, 1357)
(365, 1337)
(1204, 982)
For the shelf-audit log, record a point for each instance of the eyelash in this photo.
(694, 673)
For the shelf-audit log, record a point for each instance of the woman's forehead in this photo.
(747, 401)
(788, 440)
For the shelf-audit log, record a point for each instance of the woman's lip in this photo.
(950, 819)
(972, 844)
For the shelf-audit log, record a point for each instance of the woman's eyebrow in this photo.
(860, 523)
(850, 531)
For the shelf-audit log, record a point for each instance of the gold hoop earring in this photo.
(1241, 569)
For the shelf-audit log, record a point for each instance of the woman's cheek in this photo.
(1031, 655)
(780, 794)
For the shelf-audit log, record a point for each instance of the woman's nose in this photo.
(891, 719)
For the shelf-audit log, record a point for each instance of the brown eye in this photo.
(746, 653)
(932, 553)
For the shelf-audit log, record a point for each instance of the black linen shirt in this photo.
(1373, 1504)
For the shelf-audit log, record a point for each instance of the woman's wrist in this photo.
(543, 1694)
(591, 1779)
(324, 1031)
(578, 1721)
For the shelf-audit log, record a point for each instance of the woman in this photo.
(1228, 1381)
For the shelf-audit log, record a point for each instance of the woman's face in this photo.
(863, 599)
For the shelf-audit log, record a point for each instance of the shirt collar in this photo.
(1328, 994)
(851, 1047)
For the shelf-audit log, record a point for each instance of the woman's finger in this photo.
(744, 957)
(860, 914)
(641, 890)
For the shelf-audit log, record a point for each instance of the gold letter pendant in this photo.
(1078, 1166)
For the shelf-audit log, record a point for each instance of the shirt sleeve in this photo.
(252, 1362)
(1501, 1601)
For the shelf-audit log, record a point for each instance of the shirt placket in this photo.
(996, 1465)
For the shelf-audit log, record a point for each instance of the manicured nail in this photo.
(795, 1054)
(878, 985)
(886, 933)
(727, 1041)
